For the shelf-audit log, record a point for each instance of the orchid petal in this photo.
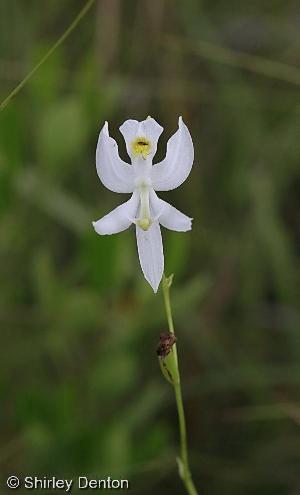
(113, 172)
(149, 128)
(175, 168)
(168, 216)
(118, 219)
(150, 249)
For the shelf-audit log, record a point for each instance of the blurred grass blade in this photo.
(60, 40)
(233, 58)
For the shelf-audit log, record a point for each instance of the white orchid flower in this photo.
(145, 209)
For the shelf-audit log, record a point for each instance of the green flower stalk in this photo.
(168, 360)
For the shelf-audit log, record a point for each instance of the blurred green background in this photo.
(81, 390)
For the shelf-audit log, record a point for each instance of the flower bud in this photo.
(167, 357)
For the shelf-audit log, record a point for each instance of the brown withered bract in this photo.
(166, 342)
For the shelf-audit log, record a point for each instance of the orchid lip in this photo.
(141, 146)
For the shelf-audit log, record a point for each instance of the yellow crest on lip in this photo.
(141, 146)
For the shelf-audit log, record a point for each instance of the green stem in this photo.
(60, 40)
(184, 468)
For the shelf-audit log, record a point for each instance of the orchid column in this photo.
(147, 211)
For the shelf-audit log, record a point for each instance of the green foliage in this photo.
(80, 386)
